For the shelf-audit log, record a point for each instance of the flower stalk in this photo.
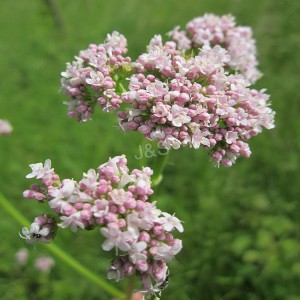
(158, 168)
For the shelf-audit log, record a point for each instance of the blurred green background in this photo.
(242, 237)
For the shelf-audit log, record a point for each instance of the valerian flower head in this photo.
(90, 79)
(189, 96)
(114, 199)
(210, 30)
(191, 90)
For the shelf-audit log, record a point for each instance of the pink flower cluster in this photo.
(211, 30)
(194, 90)
(178, 100)
(115, 200)
(5, 127)
(90, 78)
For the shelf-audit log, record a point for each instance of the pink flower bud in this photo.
(78, 205)
(69, 210)
(246, 152)
(142, 265)
(184, 97)
(144, 237)
(122, 223)
(132, 125)
(140, 205)
(144, 129)
(226, 162)
(110, 217)
(121, 209)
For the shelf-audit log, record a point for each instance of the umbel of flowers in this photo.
(116, 201)
(192, 90)
(92, 77)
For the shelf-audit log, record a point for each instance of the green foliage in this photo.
(241, 238)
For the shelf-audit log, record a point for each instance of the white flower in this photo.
(157, 89)
(169, 222)
(58, 203)
(119, 196)
(35, 234)
(115, 238)
(125, 178)
(133, 224)
(163, 252)
(39, 170)
(68, 188)
(211, 59)
(100, 208)
(166, 252)
(149, 216)
(132, 113)
(161, 110)
(98, 61)
(96, 79)
(90, 180)
(72, 70)
(114, 273)
(199, 138)
(171, 142)
(74, 221)
(114, 40)
(113, 163)
(135, 252)
(178, 116)
(158, 134)
(231, 136)
(63, 195)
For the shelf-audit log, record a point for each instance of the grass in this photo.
(241, 224)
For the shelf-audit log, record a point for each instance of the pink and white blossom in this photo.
(116, 200)
(35, 233)
(40, 170)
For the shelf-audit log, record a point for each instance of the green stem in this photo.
(122, 88)
(73, 263)
(56, 15)
(143, 160)
(158, 167)
(66, 258)
(13, 211)
(130, 287)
